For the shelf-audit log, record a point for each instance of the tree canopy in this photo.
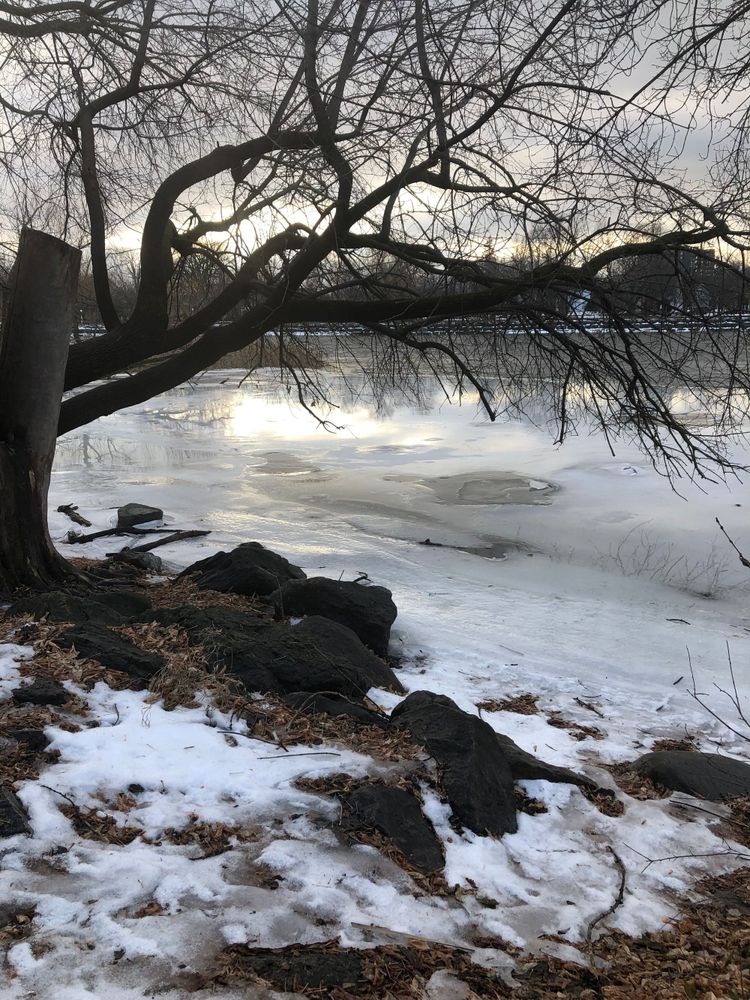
(400, 166)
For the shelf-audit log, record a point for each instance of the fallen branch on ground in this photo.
(72, 511)
(176, 536)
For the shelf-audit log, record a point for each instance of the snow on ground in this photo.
(584, 609)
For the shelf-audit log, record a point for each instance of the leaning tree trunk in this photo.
(33, 351)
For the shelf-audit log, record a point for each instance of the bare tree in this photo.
(401, 167)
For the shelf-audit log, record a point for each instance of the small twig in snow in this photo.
(735, 700)
(618, 899)
(729, 852)
(745, 562)
(589, 706)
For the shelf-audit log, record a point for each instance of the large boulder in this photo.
(474, 772)
(12, 817)
(149, 562)
(101, 607)
(314, 656)
(133, 514)
(94, 642)
(524, 765)
(396, 813)
(367, 611)
(250, 569)
(706, 775)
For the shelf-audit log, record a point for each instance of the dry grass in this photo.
(576, 729)
(18, 763)
(526, 804)
(186, 672)
(702, 953)
(737, 827)
(94, 824)
(281, 724)
(637, 786)
(687, 742)
(175, 593)
(608, 805)
(521, 704)
(211, 838)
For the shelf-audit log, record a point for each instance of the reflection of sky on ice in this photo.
(221, 451)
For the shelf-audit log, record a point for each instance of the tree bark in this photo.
(33, 351)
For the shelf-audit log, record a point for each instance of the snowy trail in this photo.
(562, 623)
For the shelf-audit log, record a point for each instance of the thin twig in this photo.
(80, 815)
(618, 898)
(745, 562)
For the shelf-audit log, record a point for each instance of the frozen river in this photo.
(242, 458)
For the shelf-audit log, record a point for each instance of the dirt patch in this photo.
(16, 923)
(327, 970)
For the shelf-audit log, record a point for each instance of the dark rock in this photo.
(94, 642)
(147, 561)
(397, 814)
(32, 740)
(526, 765)
(250, 569)
(334, 706)
(474, 771)
(303, 967)
(705, 775)
(133, 514)
(101, 607)
(12, 817)
(336, 639)
(136, 789)
(316, 655)
(126, 603)
(367, 611)
(42, 691)
(198, 622)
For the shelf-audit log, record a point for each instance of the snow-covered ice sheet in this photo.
(582, 612)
